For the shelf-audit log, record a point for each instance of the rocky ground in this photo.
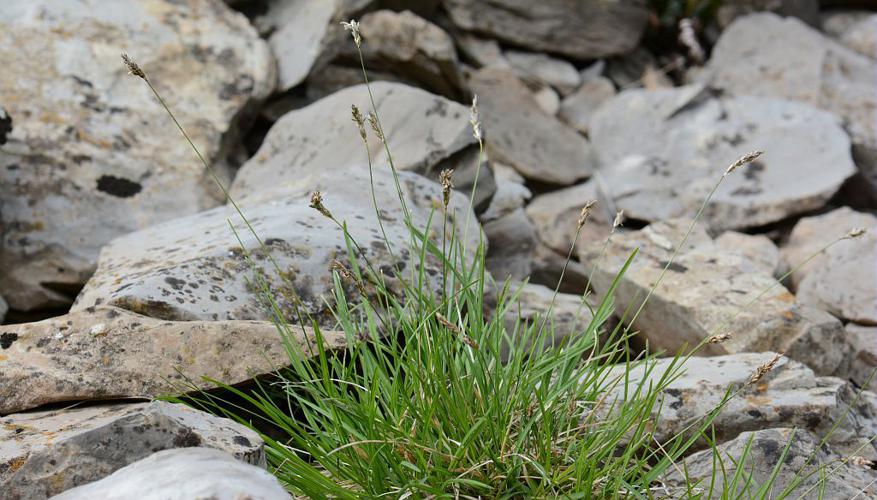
(120, 278)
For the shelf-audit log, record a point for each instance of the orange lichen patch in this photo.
(3, 357)
(789, 315)
(16, 463)
(785, 297)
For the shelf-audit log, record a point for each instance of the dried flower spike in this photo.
(317, 204)
(474, 119)
(447, 324)
(376, 127)
(718, 339)
(619, 219)
(356, 116)
(470, 342)
(447, 185)
(856, 232)
(353, 28)
(764, 369)
(747, 158)
(133, 68)
(586, 211)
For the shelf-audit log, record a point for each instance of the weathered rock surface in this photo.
(759, 249)
(708, 291)
(204, 273)
(519, 133)
(45, 453)
(183, 473)
(305, 35)
(107, 352)
(578, 107)
(802, 470)
(511, 192)
(864, 342)
(513, 241)
(789, 395)
(426, 134)
(556, 214)
(842, 281)
(581, 30)
(805, 10)
(543, 68)
(662, 151)
(410, 46)
(538, 307)
(769, 56)
(90, 155)
(862, 37)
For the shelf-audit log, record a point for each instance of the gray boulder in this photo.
(661, 152)
(204, 273)
(105, 353)
(578, 107)
(183, 474)
(864, 363)
(805, 10)
(404, 44)
(843, 280)
(582, 30)
(807, 470)
(45, 453)
(708, 290)
(559, 74)
(789, 395)
(759, 249)
(426, 133)
(521, 134)
(765, 55)
(89, 155)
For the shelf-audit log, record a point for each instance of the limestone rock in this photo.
(864, 342)
(543, 68)
(555, 215)
(548, 99)
(708, 291)
(90, 154)
(801, 470)
(805, 10)
(305, 35)
(842, 281)
(759, 249)
(480, 51)
(106, 353)
(513, 241)
(519, 133)
(583, 30)
(836, 22)
(203, 272)
(788, 395)
(45, 453)
(862, 37)
(511, 192)
(183, 473)
(661, 153)
(426, 133)
(765, 55)
(405, 44)
(578, 107)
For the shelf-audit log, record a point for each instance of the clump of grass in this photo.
(435, 396)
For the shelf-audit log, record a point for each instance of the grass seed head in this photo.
(447, 185)
(353, 28)
(133, 67)
(743, 160)
(317, 204)
(583, 216)
(474, 119)
(719, 338)
(447, 324)
(356, 116)
(764, 369)
(376, 127)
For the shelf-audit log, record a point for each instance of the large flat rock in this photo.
(90, 154)
(194, 268)
(581, 30)
(45, 453)
(661, 152)
(106, 352)
(706, 291)
(425, 132)
(183, 473)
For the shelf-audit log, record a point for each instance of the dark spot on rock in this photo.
(175, 283)
(673, 266)
(754, 413)
(5, 127)
(113, 314)
(770, 449)
(117, 186)
(241, 441)
(185, 438)
(7, 339)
